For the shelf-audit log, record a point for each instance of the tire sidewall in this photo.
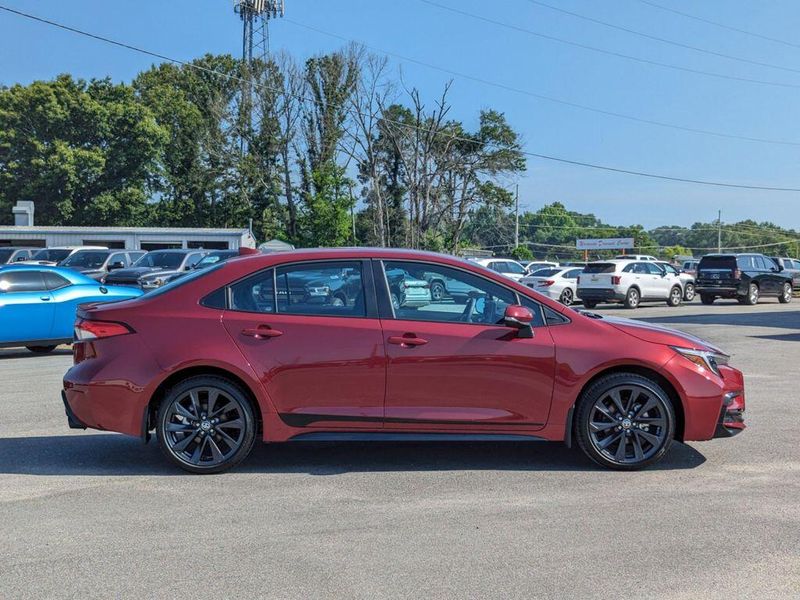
(596, 390)
(229, 388)
(675, 299)
(633, 298)
(567, 297)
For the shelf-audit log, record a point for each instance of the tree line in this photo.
(329, 152)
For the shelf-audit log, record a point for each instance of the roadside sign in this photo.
(606, 244)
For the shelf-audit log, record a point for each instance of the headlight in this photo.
(705, 359)
(153, 283)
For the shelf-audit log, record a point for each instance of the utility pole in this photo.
(719, 232)
(516, 221)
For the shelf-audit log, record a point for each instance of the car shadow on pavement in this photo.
(778, 319)
(116, 455)
(7, 353)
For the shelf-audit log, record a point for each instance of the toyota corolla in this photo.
(227, 356)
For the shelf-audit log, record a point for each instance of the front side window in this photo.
(117, 258)
(468, 298)
(193, 260)
(652, 269)
(512, 267)
(22, 281)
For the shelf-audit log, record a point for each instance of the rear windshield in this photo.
(546, 272)
(52, 255)
(600, 268)
(184, 279)
(718, 262)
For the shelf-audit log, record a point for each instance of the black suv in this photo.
(746, 277)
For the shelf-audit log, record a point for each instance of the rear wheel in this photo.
(41, 349)
(688, 293)
(437, 291)
(707, 299)
(675, 297)
(753, 294)
(632, 298)
(589, 304)
(567, 297)
(625, 421)
(786, 294)
(206, 425)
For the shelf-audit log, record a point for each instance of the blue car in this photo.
(38, 304)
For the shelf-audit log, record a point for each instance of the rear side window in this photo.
(595, 268)
(54, 281)
(22, 281)
(745, 263)
(255, 294)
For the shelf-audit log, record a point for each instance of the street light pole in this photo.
(719, 232)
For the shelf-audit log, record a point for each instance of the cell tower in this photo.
(255, 15)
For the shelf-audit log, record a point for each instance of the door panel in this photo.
(466, 376)
(26, 307)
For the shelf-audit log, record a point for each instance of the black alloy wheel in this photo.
(625, 421)
(41, 349)
(206, 425)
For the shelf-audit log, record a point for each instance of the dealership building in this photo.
(24, 233)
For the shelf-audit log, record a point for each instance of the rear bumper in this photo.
(72, 420)
(600, 295)
(724, 291)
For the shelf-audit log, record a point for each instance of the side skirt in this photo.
(356, 436)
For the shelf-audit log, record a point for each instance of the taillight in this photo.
(616, 279)
(548, 283)
(94, 330)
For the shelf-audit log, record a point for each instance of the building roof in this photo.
(139, 230)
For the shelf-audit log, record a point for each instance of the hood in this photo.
(656, 334)
(85, 270)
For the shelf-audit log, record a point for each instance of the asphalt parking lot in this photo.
(101, 515)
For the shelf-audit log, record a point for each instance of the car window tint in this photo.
(540, 312)
(22, 281)
(652, 268)
(573, 274)
(545, 272)
(628, 269)
(512, 267)
(54, 281)
(193, 259)
(468, 298)
(334, 289)
(254, 294)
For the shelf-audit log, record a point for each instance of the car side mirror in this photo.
(116, 265)
(519, 318)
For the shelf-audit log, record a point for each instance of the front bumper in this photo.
(731, 417)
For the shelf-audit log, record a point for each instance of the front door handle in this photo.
(407, 340)
(44, 298)
(262, 332)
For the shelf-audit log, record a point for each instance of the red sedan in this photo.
(347, 344)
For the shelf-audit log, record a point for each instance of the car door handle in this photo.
(262, 332)
(44, 298)
(408, 340)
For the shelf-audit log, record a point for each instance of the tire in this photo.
(627, 439)
(41, 349)
(395, 301)
(438, 291)
(688, 292)
(632, 298)
(706, 299)
(786, 295)
(753, 295)
(675, 297)
(338, 301)
(196, 442)
(590, 304)
(567, 297)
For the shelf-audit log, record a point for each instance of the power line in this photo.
(720, 25)
(405, 125)
(660, 39)
(638, 59)
(543, 97)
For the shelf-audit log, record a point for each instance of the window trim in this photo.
(45, 289)
(391, 316)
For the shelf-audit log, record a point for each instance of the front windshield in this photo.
(5, 255)
(92, 260)
(51, 255)
(160, 260)
(207, 261)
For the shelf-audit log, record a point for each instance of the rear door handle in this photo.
(262, 332)
(407, 340)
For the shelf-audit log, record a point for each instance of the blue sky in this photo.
(418, 30)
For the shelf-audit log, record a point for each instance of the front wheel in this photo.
(437, 291)
(786, 294)
(675, 297)
(206, 425)
(632, 298)
(625, 421)
(688, 293)
(41, 349)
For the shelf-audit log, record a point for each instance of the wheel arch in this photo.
(149, 418)
(653, 375)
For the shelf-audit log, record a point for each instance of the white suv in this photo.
(630, 282)
(505, 266)
(635, 257)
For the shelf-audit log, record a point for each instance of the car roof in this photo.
(69, 274)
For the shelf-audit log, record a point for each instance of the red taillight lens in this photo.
(548, 283)
(616, 279)
(95, 330)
